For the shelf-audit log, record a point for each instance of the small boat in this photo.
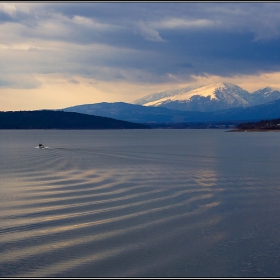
(41, 146)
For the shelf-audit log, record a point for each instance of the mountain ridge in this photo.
(209, 98)
(148, 114)
(218, 102)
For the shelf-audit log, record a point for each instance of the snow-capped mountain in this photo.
(209, 98)
(157, 96)
(265, 95)
(217, 102)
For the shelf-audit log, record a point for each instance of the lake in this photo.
(139, 203)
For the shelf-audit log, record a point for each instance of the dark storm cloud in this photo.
(214, 38)
(221, 53)
(153, 40)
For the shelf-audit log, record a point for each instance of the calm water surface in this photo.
(139, 203)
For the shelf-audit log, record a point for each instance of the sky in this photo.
(56, 55)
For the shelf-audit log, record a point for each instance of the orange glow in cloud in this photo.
(58, 93)
(248, 82)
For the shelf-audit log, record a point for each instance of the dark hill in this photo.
(49, 119)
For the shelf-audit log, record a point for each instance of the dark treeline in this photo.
(196, 125)
(50, 119)
(261, 125)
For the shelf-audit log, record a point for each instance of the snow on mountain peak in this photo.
(157, 96)
(203, 91)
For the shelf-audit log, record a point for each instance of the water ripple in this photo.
(135, 210)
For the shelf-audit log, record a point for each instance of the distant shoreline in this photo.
(254, 130)
(261, 126)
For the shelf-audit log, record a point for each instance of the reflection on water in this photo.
(206, 178)
(191, 203)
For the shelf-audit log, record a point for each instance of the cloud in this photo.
(19, 82)
(89, 23)
(136, 42)
(183, 23)
(8, 8)
(73, 81)
(148, 33)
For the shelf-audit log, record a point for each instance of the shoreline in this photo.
(254, 130)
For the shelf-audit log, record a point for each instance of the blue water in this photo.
(139, 203)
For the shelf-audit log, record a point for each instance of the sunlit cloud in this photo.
(22, 47)
(87, 22)
(149, 33)
(248, 82)
(8, 8)
(182, 23)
